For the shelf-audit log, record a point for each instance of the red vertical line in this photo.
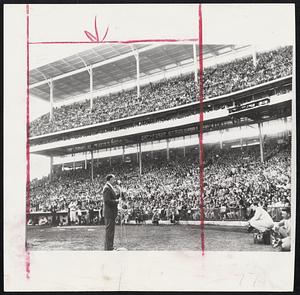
(27, 260)
(201, 161)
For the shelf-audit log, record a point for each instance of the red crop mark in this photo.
(27, 254)
(201, 160)
(115, 41)
(95, 38)
(27, 266)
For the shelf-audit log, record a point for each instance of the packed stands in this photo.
(233, 180)
(218, 80)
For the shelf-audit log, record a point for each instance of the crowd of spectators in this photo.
(233, 180)
(218, 80)
(173, 116)
(236, 179)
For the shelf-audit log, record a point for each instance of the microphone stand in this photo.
(121, 204)
(121, 214)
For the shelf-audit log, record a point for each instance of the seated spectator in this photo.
(174, 186)
(43, 221)
(261, 220)
(218, 80)
(283, 231)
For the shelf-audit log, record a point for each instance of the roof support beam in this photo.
(89, 69)
(50, 84)
(91, 87)
(96, 65)
(51, 99)
(261, 142)
(51, 168)
(140, 157)
(92, 165)
(137, 58)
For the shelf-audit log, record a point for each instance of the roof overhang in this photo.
(114, 64)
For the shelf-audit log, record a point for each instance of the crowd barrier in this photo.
(94, 217)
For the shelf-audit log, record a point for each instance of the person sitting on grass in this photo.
(282, 231)
(261, 220)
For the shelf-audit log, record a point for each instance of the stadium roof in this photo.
(114, 64)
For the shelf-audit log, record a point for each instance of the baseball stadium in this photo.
(133, 110)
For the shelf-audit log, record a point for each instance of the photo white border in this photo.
(96, 270)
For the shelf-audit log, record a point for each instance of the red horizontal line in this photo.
(113, 42)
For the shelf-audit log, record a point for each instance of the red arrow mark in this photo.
(95, 38)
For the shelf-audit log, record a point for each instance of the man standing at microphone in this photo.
(110, 211)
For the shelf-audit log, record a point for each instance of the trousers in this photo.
(109, 234)
(261, 225)
(286, 244)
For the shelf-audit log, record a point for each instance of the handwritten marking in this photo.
(95, 38)
(27, 209)
(116, 41)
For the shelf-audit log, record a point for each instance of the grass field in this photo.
(143, 237)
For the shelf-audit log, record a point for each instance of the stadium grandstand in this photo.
(134, 110)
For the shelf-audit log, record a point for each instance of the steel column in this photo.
(51, 167)
(261, 144)
(92, 165)
(241, 138)
(138, 74)
(140, 157)
(91, 86)
(168, 150)
(221, 139)
(51, 99)
(123, 153)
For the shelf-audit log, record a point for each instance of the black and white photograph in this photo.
(127, 162)
(155, 143)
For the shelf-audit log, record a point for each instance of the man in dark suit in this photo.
(110, 211)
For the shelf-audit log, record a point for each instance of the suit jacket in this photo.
(110, 208)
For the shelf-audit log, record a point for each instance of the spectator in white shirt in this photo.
(261, 220)
(283, 229)
(72, 207)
